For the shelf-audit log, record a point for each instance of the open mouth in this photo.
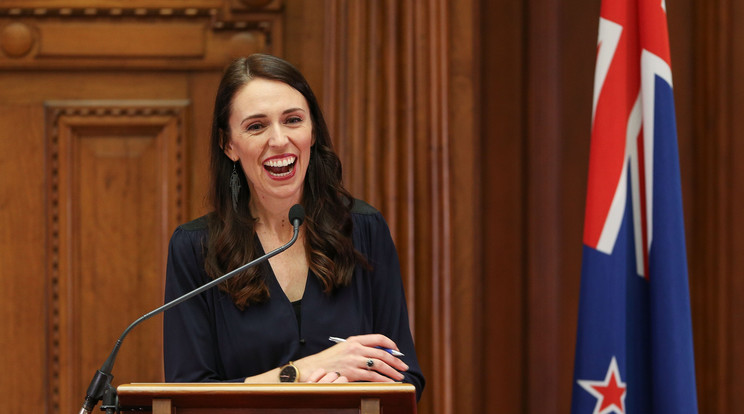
(280, 167)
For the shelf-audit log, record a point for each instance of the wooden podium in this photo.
(228, 398)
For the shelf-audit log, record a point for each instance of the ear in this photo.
(228, 149)
(227, 146)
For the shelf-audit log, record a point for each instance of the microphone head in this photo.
(296, 213)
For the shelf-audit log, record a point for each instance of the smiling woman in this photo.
(270, 149)
(270, 135)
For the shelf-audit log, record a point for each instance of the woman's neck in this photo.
(272, 217)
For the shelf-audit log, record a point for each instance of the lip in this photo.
(286, 176)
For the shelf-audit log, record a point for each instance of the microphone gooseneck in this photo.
(102, 378)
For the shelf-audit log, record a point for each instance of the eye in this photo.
(254, 127)
(294, 119)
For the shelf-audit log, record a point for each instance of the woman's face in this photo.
(271, 133)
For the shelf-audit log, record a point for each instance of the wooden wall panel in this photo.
(709, 300)
(93, 184)
(544, 157)
(735, 278)
(716, 243)
(116, 190)
(578, 32)
(501, 103)
(200, 34)
(23, 339)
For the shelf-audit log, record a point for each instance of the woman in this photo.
(270, 149)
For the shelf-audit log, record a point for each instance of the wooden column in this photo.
(543, 224)
(716, 239)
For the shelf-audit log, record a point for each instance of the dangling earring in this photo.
(235, 187)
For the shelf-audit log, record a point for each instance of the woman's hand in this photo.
(322, 376)
(357, 359)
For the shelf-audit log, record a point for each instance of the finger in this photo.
(373, 376)
(356, 346)
(373, 340)
(316, 375)
(372, 364)
(329, 377)
(340, 379)
(395, 362)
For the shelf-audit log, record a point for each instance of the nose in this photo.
(278, 137)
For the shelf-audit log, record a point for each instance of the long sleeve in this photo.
(190, 352)
(390, 313)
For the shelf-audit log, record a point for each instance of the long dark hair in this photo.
(232, 236)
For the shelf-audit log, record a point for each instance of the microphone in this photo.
(101, 382)
(296, 213)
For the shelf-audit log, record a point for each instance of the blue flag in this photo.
(634, 350)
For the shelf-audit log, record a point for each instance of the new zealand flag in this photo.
(634, 349)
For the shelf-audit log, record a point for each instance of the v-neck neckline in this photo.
(275, 281)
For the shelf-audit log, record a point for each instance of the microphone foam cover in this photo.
(296, 213)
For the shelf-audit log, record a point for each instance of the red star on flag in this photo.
(610, 393)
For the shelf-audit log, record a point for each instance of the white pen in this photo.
(388, 350)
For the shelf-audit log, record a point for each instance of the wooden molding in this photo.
(179, 35)
(116, 174)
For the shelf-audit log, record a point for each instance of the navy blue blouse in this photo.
(207, 338)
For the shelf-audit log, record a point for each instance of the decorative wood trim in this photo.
(63, 120)
(195, 35)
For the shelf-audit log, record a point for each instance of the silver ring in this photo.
(370, 363)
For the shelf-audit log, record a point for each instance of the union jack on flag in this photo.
(634, 349)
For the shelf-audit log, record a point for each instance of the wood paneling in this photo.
(544, 157)
(101, 39)
(23, 338)
(105, 117)
(116, 190)
(735, 279)
(137, 34)
(715, 238)
(503, 325)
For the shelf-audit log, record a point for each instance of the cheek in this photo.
(248, 149)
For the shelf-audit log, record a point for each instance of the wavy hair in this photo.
(232, 237)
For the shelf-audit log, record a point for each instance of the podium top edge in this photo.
(178, 388)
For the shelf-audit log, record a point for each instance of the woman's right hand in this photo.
(357, 359)
(321, 376)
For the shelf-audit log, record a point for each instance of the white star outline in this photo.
(588, 385)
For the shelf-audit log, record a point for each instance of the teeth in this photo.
(280, 162)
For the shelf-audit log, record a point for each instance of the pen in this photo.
(388, 350)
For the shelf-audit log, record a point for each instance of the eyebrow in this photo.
(258, 116)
